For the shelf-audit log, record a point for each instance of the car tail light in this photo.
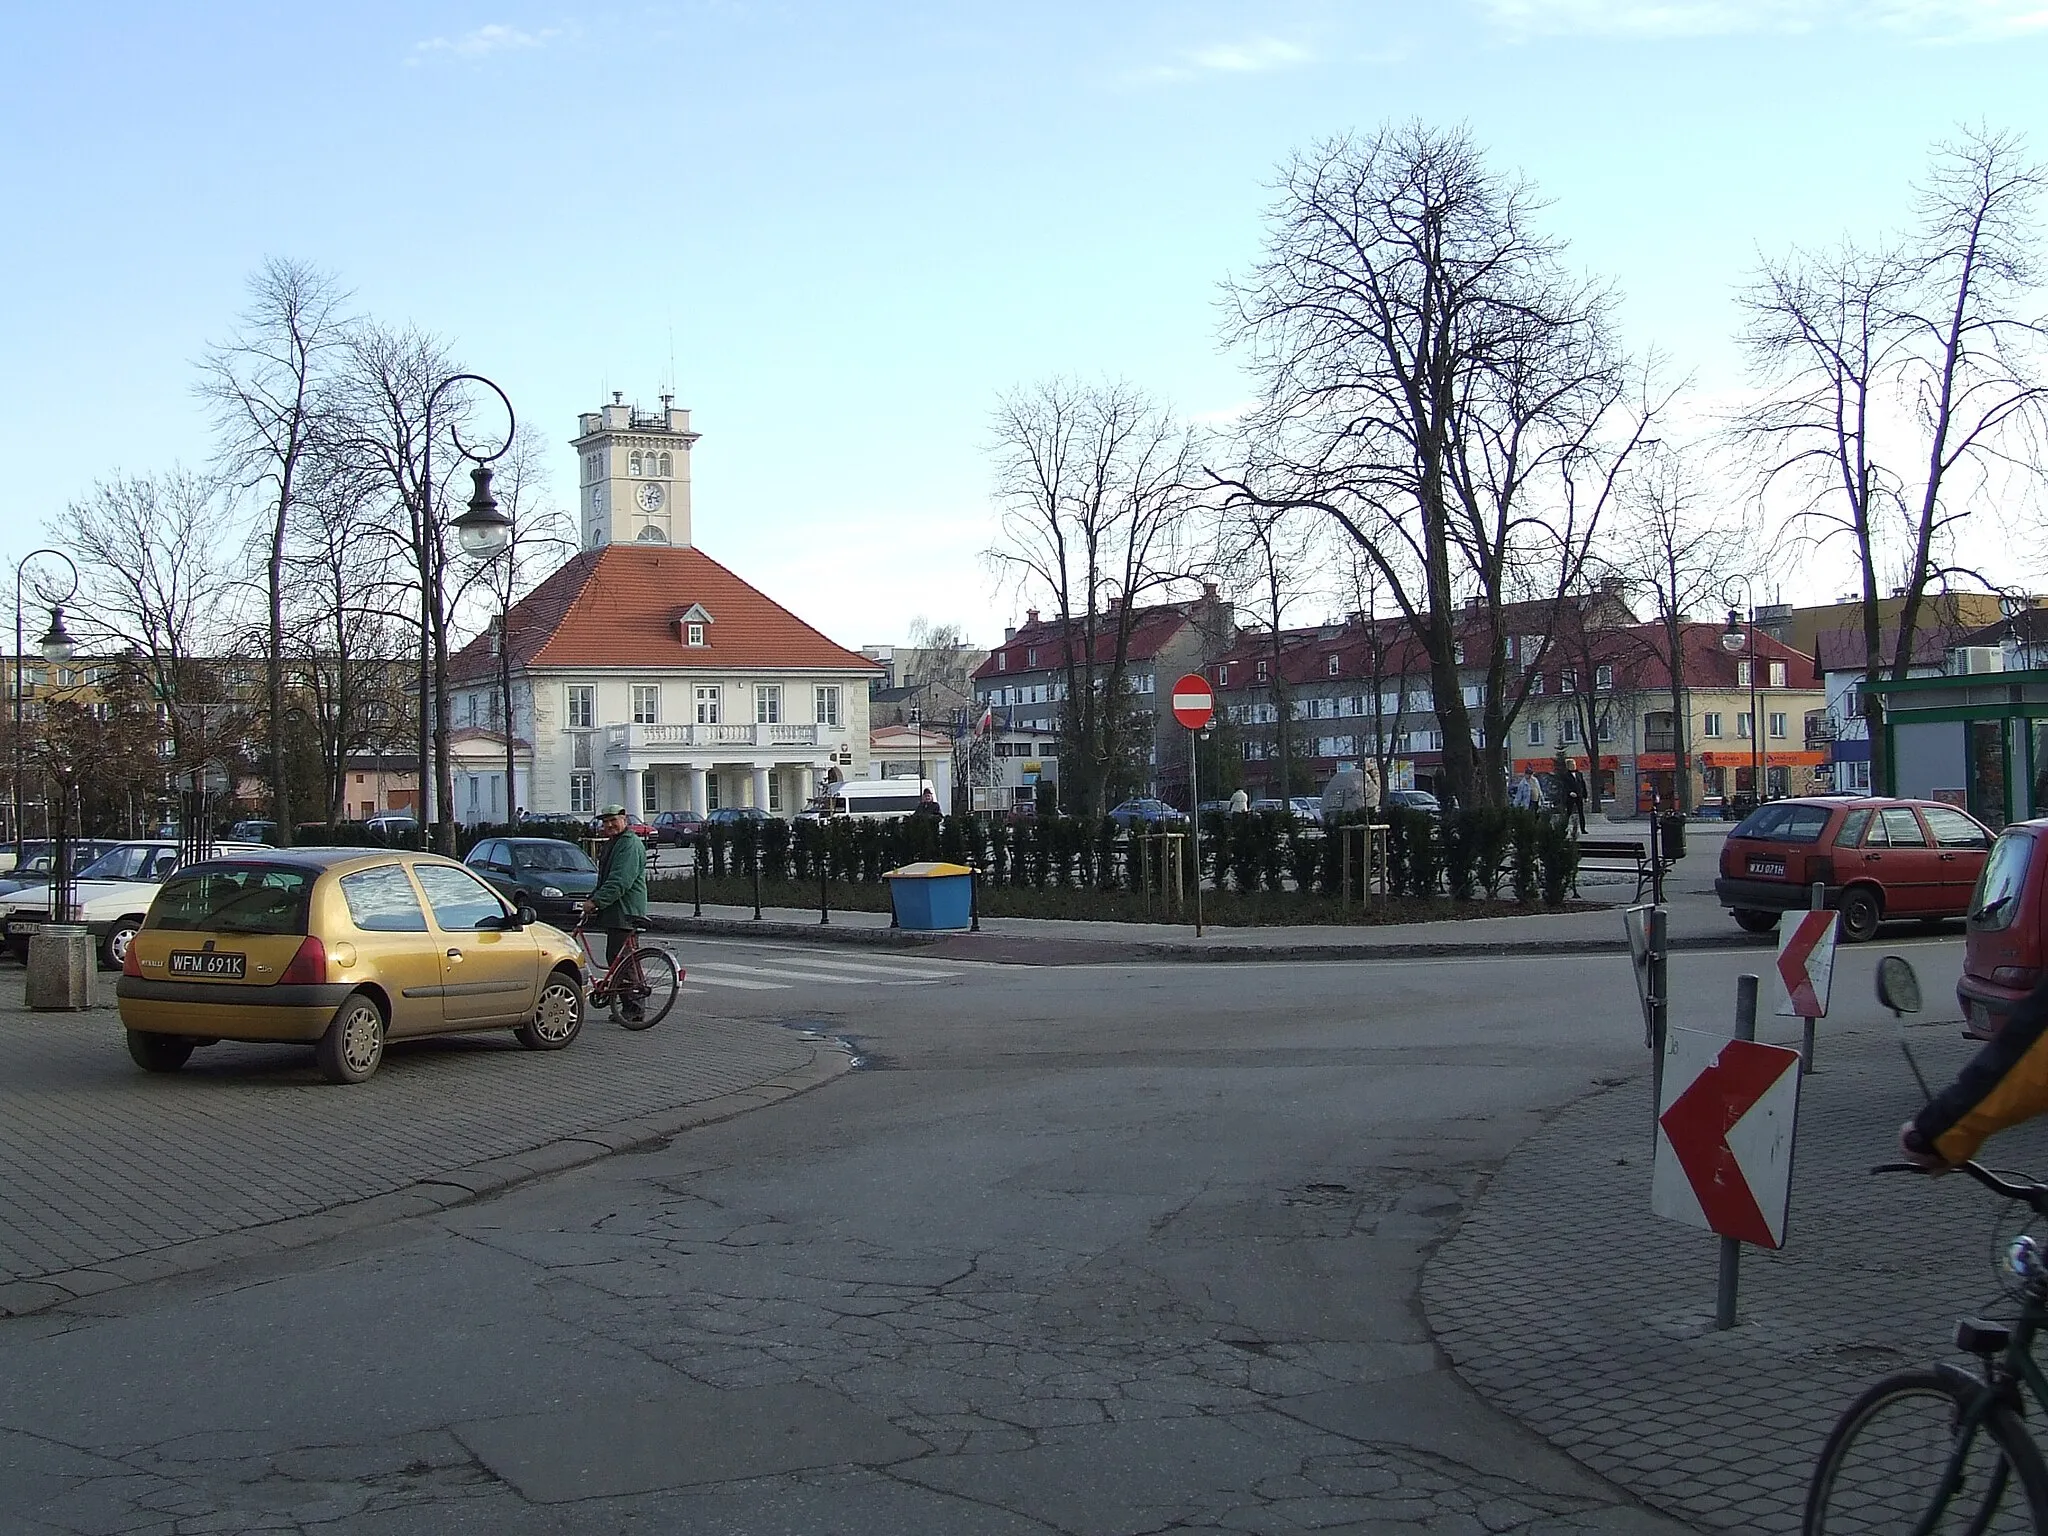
(309, 965)
(2016, 975)
(131, 962)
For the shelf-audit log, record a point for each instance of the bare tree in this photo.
(266, 385)
(1094, 490)
(1389, 649)
(1670, 548)
(158, 580)
(1905, 379)
(1439, 387)
(1268, 557)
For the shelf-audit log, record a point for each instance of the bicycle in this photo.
(640, 984)
(1938, 1451)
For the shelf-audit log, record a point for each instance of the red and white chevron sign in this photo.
(1724, 1136)
(1806, 965)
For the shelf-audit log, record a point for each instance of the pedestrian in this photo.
(928, 804)
(1575, 800)
(618, 904)
(1240, 803)
(1528, 795)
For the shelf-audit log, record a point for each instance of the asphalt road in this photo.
(1091, 1250)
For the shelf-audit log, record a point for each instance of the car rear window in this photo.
(1996, 900)
(1785, 822)
(234, 898)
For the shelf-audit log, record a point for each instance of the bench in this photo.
(1615, 856)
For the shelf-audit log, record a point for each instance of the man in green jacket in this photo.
(619, 901)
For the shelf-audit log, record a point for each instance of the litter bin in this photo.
(1672, 835)
(931, 896)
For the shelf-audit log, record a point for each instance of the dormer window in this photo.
(1259, 672)
(1331, 665)
(1002, 661)
(1031, 657)
(693, 625)
(693, 634)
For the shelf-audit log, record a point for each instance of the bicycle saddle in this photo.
(642, 924)
(1974, 1336)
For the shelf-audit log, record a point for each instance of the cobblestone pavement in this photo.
(1566, 1303)
(113, 1176)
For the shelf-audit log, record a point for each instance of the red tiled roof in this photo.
(1153, 629)
(618, 606)
(1841, 650)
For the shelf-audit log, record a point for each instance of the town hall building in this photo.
(646, 673)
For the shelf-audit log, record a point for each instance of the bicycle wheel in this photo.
(645, 988)
(1883, 1466)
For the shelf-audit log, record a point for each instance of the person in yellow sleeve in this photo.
(2003, 1084)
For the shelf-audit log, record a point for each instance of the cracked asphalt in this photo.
(1092, 1251)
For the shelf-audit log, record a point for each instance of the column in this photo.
(761, 788)
(635, 778)
(697, 794)
(806, 785)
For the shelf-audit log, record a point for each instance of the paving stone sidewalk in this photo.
(112, 1176)
(1563, 1301)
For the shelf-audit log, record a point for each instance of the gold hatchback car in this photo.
(344, 948)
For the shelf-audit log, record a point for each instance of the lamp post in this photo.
(475, 532)
(1739, 638)
(485, 533)
(56, 645)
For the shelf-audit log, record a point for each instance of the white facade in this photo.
(633, 474)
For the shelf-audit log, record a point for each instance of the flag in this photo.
(988, 718)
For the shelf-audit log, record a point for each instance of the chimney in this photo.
(1030, 615)
(1209, 591)
(1009, 633)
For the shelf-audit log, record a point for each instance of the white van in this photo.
(872, 799)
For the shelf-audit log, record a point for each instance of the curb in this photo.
(1015, 948)
(439, 1192)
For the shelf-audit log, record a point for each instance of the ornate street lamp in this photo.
(1735, 640)
(56, 645)
(485, 533)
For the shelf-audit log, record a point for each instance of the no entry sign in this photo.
(1724, 1136)
(1806, 965)
(1194, 702)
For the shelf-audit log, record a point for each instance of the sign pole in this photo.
(1731, 1247)
(1195, 819)
(1820, 904)
(1659, 946)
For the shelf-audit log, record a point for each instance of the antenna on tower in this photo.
(672, 358)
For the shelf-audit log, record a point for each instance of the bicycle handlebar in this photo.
(2035, 1195)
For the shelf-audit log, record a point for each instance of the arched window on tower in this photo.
(664, 466)
(633, 464)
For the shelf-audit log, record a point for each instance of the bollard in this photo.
(697, 880)
(973, 900)
(1820, 904)
(757, 885)
(824, 907)
(1731, 1248)
(63, 970)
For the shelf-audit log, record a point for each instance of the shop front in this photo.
(1977, 740)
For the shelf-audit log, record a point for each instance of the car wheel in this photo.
(159, 1053)
(1749, 920)
(114, 947)
(1860, 914)
(557, 1017)
(352, 1047)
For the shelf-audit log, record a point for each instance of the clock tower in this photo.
(633, 481)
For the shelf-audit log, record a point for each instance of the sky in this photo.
(841, 232)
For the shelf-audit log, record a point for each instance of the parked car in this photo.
(1413, 800)
(1879, 858)
(37, 857)
(543, 873)
(1151, 814)
(112, 894)
(392, 827)
(253, 832)
(2006, 943)
(678, 829)
(730, 817)
(341, 948)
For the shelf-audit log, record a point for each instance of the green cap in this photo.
(611, 810)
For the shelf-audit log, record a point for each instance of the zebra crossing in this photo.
(710, 967)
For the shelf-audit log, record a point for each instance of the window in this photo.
(382, 901)
(1902, 828)
(1777, 724)
(650, 796)
(1568, 680)
(647, 703)
(1603, 679)
(774, 791)
(582, 793)
(1031, 656)
(1606, 727)
(1568, 729)
(1777, 674)
(693, 634)
(582, 713)
(1743, 725)
(710, 791)
(633, 464)
(707, 703)
(1535, 683)
(1002, 661)
(1952, 829)
(1332, 666)
(664, 470)
(1259, 673)
(1742, 674)
(460, 902)
(1710, 723)
(768, 704)
(1458, 653)
(828, 704)
(1223, 675)
(1535, 733)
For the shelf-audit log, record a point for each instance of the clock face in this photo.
(649, 498)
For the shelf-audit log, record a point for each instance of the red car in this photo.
(1881, 859)
(2002, 954)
